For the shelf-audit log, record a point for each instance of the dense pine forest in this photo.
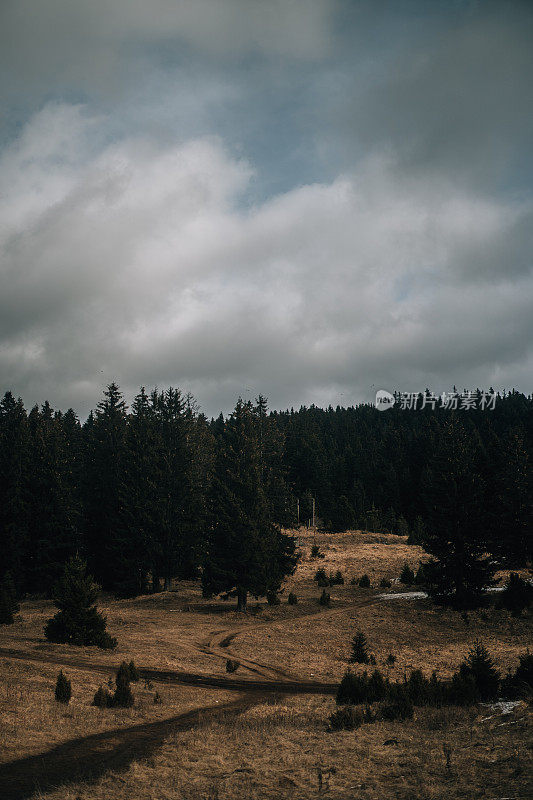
(158, 492)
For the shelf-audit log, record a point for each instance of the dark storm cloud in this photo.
(306, 199)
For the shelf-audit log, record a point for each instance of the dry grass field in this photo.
(222, 743)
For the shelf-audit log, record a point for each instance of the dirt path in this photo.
(89, 758)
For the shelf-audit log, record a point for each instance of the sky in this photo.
(307, 199)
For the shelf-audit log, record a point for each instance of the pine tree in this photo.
(479, 666)
(360, 653)
(123, 697)
(246, 552)
(77, 622)
(456, 535)
(63, 690)
(103, 482)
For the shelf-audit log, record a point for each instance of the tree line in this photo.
(159, 492)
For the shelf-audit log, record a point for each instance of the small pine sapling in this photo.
(360, 653)
(63, 690)
(364, 581)
(407, 576)
(325, 598)
(292, 599)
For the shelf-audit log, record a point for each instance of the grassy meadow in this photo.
(209, 743)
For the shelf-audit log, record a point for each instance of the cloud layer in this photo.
(388, 246)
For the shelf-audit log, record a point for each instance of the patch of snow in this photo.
(501, 707)
(402, 595)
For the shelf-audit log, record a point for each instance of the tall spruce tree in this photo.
(103, 478)
(456, 533)
(246, 552)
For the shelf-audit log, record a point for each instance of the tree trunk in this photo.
(242, 599)
(156, 585)
(168, 581)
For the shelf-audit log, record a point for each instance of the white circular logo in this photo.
(384, 400)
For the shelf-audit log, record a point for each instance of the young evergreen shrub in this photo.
(315, 552)
(123, 697)
(158, 700)
(273, 599)
(520, 685)
(133, 672)
(516, 596)
(479, 665)
(292, 599)
(364, 582)
(77, 622)
(407, 575)
(346, 718)
(401, 709)
(360, 653)
(102, 698)
(385, 584)
(232, 665)
(325, 598)
(337, 579)
(353, 689)
(63, 690)
(524, 671)
(421, 577)
(390, 660)
(321, 577)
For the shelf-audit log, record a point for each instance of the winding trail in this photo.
(89, 758)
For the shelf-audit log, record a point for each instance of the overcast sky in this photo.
(308, 199)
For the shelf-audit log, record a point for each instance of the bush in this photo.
(273, 599)
(123, 697)
(479, 665)
(292, 599)
(421, 577)
(158, 700)
(102, 698)
(336, 579)
(321, 577)
(385, 584)
(315, 552)
(402, 708)
(346, 718)
(232, 666)
(517, 595)
(390, 660)
(407, 575)
(77, 621)
(359, 649)
(364, 582)
(133, 672)
(63, 691)
(520, 685)
(325, 598)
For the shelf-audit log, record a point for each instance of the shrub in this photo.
(133, 672)
(102, 698)
(273, 599)
(359, 649)
(385, 584)
(520, 685)
(77, 621)
(232, 665)
(321, 577)
(479, 665)
(390, 660)
(336, 579)
(346, 718)
(158, 700)
(364, 582)
(407, 575)
(123, 697)
(524, 671)
(315, 552)
(516, 596)
(402, 708)
(325, 598)
(292, 599)
(63, 691)
(421, 577)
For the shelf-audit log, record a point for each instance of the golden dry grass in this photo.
(274, 747)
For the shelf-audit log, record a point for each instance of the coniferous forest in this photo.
(158, 492)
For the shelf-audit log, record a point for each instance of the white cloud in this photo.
(138, 262)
